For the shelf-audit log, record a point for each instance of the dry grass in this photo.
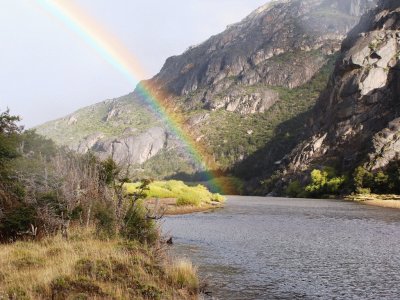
(183, 274)
(389, 201)
(87, 268)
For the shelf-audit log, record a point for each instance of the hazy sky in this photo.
(48, 71)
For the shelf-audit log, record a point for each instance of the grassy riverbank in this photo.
(175, 197)
(390, 201)
(85, 267)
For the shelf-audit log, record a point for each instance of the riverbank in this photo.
(388, 201)
(169, 206)
(174, 197)
(85, 267)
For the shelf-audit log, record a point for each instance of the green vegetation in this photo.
(72, 231)
(197, 195)
(386, 181)
(275, 132)
(323, 183)
(128, 113)
(232, 138)
(363, 185)
(165, 164)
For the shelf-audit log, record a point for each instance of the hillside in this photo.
(355, 122)
(234, 90)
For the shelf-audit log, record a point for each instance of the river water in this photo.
(277, 248)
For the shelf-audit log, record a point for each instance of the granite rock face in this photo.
(356, 119)
(238, 73)
(283, 43)
(132, 150)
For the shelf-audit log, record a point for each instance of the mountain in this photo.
(235, 92)
(356, 120)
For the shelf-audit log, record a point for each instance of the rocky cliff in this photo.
(357, 118)
(283, 43)
(234, 91)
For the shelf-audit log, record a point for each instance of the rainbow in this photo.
(115, 53)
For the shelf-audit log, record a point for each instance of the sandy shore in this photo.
(169, 207)
(389, 201)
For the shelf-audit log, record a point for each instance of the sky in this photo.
(48, 71)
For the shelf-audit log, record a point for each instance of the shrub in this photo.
(188, 200)
(105, 220)
(318, 182)
(218, 198)
(324, 182)
(333, 185)
(294, 189)
(362, 178)
(363, 191)
(186, 195)
(381, 182)
(16, 221)
(138, 226)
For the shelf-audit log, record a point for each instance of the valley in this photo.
(248, 154)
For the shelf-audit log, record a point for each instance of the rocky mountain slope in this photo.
(234, 90)
(283, 43)
(357, 118)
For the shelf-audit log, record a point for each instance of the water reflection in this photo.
(268, 248)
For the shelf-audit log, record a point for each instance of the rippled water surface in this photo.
(273, 248)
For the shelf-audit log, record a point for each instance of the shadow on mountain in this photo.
(259, 165)
(193, 177)
(262, 163)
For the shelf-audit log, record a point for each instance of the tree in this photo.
(9, 131)
(8, 123)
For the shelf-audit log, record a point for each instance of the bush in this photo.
(186, 195)
(185, 200)
(217, 198)
(138, 226)
(363, 191)
(362, 178)
(105, 220)
(324, 182)
(382, 182)
(16, 221)
(334, 185)
(294, 189)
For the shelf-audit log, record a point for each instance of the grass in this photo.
(183, 273)
(185, 195)
(390, 201)
(87, 268)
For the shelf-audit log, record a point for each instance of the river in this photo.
(278, 248)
